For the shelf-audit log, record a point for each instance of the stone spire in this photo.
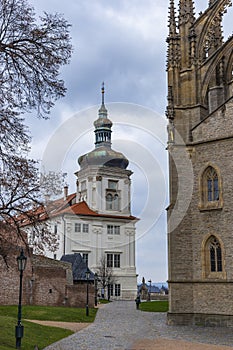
(186, 21)
(172, 19)
(173, 54)
(186, 12)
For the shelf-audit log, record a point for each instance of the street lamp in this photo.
(96, 289)
(21, 261)
(87, 278)
(150, 290)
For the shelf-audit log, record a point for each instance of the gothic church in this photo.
(200, 147)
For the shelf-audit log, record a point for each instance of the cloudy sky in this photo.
(123, 43)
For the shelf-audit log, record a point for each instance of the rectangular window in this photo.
(77, 227)
(117, 258)
(85, 258)
(112, 185)
(83, 186)
(114, 260)
(109, 260)
(111, 229)
(110, 290)
(117, 290)
(116, 230)
(85, 228)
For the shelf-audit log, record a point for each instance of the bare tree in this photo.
(31, 55)
(105, 274)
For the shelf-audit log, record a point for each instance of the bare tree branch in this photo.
(31, 55)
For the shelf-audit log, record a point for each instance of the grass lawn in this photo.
(104, 301)
(35, 334)
(154, 306)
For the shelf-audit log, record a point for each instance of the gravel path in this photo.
(119, 326)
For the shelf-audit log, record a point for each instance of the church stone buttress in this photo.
(200, 114)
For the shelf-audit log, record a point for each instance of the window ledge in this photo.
(215, 276)
(210, 206)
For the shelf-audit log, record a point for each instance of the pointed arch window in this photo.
(212, 185)
(213, 255)
(210, 188)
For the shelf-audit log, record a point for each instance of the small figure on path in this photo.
(138, 302)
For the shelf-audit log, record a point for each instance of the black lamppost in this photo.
(96, 289)
(150, 290)
(21, 261)
(87, 278)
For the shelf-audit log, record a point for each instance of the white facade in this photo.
(98, 221)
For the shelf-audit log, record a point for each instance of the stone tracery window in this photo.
(210, 190)
(213, 254)
(211, 179)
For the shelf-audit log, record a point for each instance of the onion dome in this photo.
(103, 155)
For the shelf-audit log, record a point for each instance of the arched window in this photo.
(213, 258)
(116, 202)
(210, 189)
(109, 200)
(211, 184)
(215, 255)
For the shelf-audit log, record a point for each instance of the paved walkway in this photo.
(118, 325)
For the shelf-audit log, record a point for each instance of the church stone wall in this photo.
(199, 299)
(218, 125)
(200, 110)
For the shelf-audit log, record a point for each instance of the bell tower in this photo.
(103, 179)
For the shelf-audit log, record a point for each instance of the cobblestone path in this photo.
(118, 325)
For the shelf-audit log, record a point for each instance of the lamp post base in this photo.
(87, 310)
(18, 335)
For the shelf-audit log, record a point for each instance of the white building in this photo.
(96, 221)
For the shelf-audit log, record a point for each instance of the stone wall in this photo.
(45, 281)
(53, 284)
(10, 247)
(197, 296)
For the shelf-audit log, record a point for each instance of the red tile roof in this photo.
(61, 207)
